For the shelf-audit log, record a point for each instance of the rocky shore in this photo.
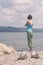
(11, 58)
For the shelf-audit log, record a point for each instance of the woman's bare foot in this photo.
(30, 49)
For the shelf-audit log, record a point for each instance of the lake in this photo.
(19, 40)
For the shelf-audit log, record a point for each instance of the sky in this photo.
(14, 12)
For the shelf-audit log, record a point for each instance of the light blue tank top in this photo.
(29, 28)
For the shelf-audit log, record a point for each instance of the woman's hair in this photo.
(29, 17)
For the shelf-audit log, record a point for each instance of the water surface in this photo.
(19, 40)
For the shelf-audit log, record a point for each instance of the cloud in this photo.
(22, 1)
(14, 12)
(6, 3)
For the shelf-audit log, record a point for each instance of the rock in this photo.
(34, 55)
(22, 56)
(4, 49)
(0, 64)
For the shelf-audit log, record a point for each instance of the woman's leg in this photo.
(29, 37)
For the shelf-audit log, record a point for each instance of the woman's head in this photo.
(29, 17)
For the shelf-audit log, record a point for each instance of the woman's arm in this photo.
(32, 24)
(27, 23)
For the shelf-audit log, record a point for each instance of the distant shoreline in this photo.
(17, 32)
(20, 29)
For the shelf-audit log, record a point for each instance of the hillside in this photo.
(15, 29)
